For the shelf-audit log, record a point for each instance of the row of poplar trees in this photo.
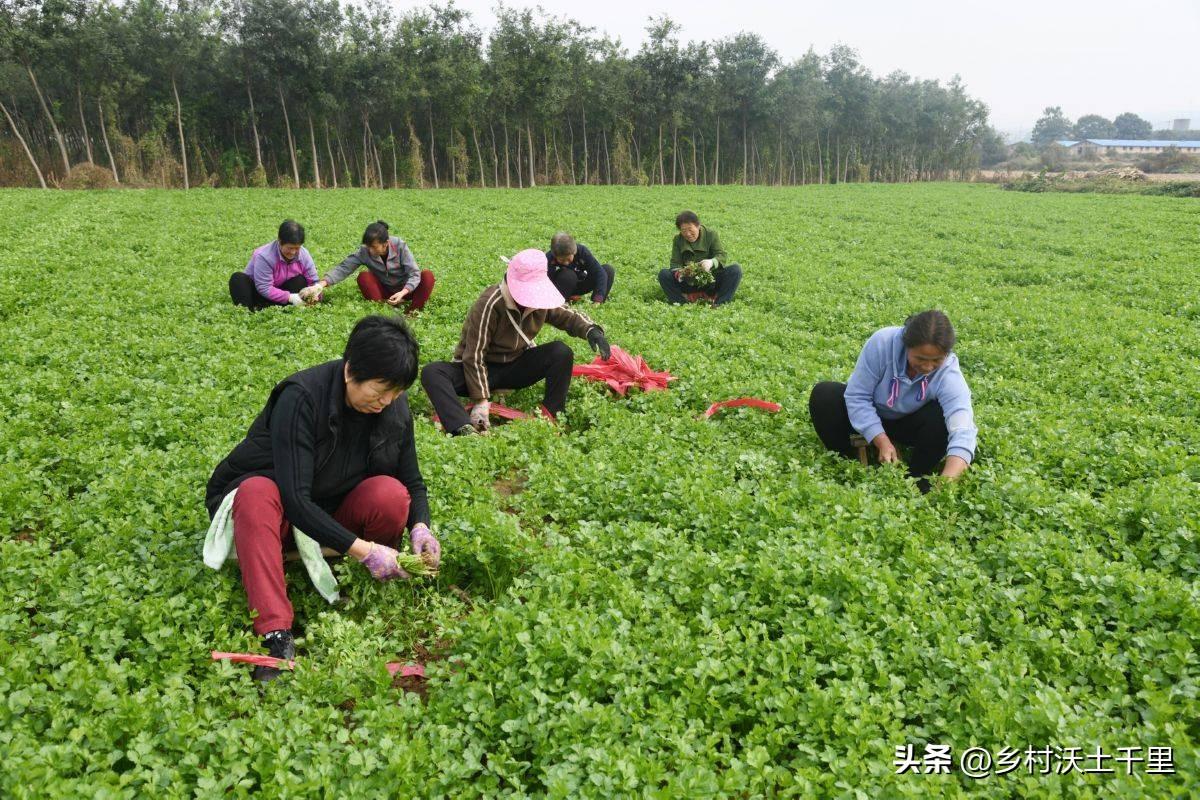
(312, 93)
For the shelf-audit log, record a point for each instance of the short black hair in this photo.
(291, 232)
(684, 217)
(929, 327)
(376, 232)
(382, 348)
(563, 245)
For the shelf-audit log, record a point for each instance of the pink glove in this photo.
(381, 563)
(423, 541)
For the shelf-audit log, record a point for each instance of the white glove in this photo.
(295, 299)
(311, 293)
(479, 415)
(708, 264)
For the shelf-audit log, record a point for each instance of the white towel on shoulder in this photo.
(218, 548)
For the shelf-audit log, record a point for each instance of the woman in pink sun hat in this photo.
(496, 348)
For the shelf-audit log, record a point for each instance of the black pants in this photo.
(243, 292)
(445, 382)
(726, 283)
(570, 283)
(924, 430)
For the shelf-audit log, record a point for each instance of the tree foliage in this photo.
(1131, 126)
(1094, 126)
(1052, 126)
(316, 93)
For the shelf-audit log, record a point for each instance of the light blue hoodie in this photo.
(880, 388)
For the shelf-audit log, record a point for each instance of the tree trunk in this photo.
(87, 139)
(28, 154)
(585, 147)
(395, 157)
(432, 150)
(287, 123)
(745, 150)
(479, 156)
(495, 158)
(520, 180)
(62, 145)
(607, 159)
(112, 162)
(695, 173)
(571, 160)
(312, 136)
(254, 126)
(662, 176)
(779, 156)
(378, 157)
(332, 161)
(337, 134)
(557, 160)
(717, 157)
(366, 180)
(507, 173)
(820, 161)
(755, 170)
(674, 151)
(179, 124)
(529, 134)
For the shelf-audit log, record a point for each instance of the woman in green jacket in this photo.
(699, 265)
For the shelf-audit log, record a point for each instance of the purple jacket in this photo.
(269, 271)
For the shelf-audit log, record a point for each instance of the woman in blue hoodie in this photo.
(905, 389)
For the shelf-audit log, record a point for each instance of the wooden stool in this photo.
(860, 446)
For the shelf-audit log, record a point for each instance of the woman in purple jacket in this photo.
(278, 273)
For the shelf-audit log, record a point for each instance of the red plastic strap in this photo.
(393, 667)
(750, 402)
(255, 659)
(503, 412)
(623, 372)
(496, 410)
(405, 670)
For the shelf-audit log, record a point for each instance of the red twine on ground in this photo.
(255, 659)
(749, 402)
(496, 410)
(405, 670)
(622, 372)
(393, 667)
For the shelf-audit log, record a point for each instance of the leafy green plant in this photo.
(635, 603)
(696, 277)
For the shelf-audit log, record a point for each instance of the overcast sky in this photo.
(1018, 56)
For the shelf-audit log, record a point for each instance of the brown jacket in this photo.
(490, 334)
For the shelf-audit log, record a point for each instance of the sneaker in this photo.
(465, 430)
(279, 644)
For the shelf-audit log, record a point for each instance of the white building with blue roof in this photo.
(1119, 148)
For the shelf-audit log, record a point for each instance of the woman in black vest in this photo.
(333, 454)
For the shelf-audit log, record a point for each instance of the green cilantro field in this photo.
(647, 605)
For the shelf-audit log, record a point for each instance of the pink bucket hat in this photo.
(528, 282)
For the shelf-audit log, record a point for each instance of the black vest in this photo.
(325, 385)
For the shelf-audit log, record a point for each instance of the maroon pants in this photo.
(372, 289)
(376, 510)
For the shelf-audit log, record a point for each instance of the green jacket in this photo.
(707, 245)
